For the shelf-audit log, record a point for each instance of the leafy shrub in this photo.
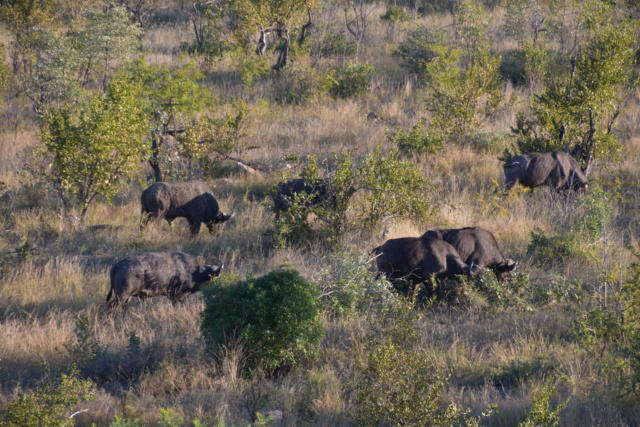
(276, 317)
(399, 385)
(380, 186)
(551, 250)
(541, 415)
(510, 293)
(51, 404)
(352, 80)
(395, 14)
(348, 286)
(416, 141)
(598, 212)
(297, 84)
(417, 50)
(512, 67)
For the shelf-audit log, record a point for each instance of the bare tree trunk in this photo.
(154, 159)
(283, 57)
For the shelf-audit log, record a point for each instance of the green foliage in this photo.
(108, 38)
(524, 20)
(50, 404)
(298, 84)
(392, 187)
(511, 293)
(208, 139)
(579, 109)
(417, 50)
(170, 418)
(395, 14)
(169, 95)
(597, 210)
(462, 99)
(250, 66)
(555, 249)
(381, 186)
(85, 153)
(275, 316)
(207, 20)
(348, 286)
(470, 23)
(399, 384)
(416, 141)
(541, 415)
(86, 348)
(58, 67)
(352, 79)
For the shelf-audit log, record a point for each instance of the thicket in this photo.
(275, 318)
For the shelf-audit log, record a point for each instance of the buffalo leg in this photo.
(195, 228)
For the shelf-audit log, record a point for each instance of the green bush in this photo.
(349, 287)
(551, 250)
(395, 14)
(416, 141)
(275, 317)
(417, 50)
(298, 84)
(352, 80)
(50, 405)
(399, 384)
(541, 414)
(512, 67)
(365, 192)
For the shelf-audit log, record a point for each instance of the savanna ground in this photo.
(54, 275)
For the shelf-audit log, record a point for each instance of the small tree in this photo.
(275, 316)
(272, 17)
(169, 94)
(50, 404)
(579, 110)
(84, 153)
(364, 193)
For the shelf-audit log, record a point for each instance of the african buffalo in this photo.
(477, 246)
(556, 169)
(192, 200)
(319, 192)
(420, 258)
(174, 274)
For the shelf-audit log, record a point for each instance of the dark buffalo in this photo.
(477, 246)
(192, 200)
(556, 169)
(420, 258)
(319, 192)
(174, 274)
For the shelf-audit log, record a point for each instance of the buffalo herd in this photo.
(436, 254)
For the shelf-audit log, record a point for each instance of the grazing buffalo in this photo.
(319, 192)
(174, 274)
(477, 246)
(192, 200)
(420, 258)
(556, 169)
